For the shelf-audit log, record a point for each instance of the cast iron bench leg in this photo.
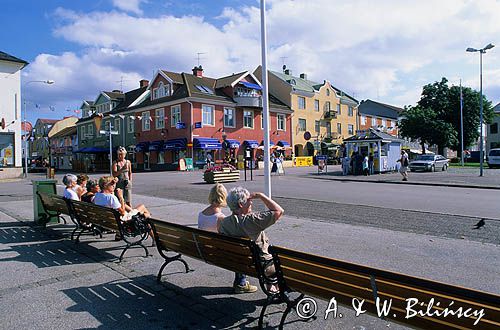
(169, 260)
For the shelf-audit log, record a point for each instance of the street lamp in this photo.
(481, 52)
(48, 82)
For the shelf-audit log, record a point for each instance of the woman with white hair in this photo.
(69, 180)
(245, 223)
(122, 170)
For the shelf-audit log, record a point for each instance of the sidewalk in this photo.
(454, 177)
(46, 281)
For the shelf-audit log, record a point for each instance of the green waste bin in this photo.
(48, 186)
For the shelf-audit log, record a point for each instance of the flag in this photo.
(150, 118)
(121, 116)
(52, 108)
(37, 106)
(139, 117)
(132, 117)
(112, 116)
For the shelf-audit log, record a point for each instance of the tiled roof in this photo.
(10, 58)
(176, 77)
(227, 81)
(496, 108)
(369, 107)
(48, 121)
(71, 130)
(192, 81)
(114, 95)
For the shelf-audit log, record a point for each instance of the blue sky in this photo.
(384, 50)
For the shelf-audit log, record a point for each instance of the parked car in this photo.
(494, 158)
(429, 163)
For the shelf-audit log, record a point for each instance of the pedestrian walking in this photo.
(346, 161)
(122, 170)
(404, 165)
(370, 164)
(366, 170)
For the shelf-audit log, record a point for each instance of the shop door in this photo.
(146, 161)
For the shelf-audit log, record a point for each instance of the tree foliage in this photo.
(436, 118)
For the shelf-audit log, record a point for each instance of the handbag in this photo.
(137, 225)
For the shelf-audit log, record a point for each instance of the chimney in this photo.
(303, 76)
(198, 71)
(288, 72)
(143, 83)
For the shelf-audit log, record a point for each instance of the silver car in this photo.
(429, 163)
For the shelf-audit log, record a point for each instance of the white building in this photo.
(10, 116)
(493, 139)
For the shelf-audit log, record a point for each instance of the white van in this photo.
(494, 158)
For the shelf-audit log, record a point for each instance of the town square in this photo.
(249, 164)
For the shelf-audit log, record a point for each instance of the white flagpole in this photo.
(461, 124)
(265, 95)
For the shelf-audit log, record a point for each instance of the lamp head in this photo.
(49, 82)
(489, 46)
(472, 50)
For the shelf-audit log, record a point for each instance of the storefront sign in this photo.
(180, 125)
(189, 164)
(197, 124)
(303, 161)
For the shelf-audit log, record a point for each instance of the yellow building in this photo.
(320, 111)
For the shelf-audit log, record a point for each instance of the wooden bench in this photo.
(231, 253)
(54, 207)
(108, 218)
(327, 278)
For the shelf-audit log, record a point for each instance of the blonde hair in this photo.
(122, 150)
(106, 181)
(217, 195)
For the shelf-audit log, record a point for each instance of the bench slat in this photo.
(54, 203)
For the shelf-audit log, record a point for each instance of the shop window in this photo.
(161, 157)
(7, 149)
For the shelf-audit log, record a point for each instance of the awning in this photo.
(206, 143)
(142, 146)
(270, 143)
(155, 145)
(251, 144)
(329, 146)
(233, 144)
(250, 85)
(92, 150)
(175, 144)
(285, 144)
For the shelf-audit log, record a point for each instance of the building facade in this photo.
(11, 159)
(493, 138)
(63, 141)
(322, 114)
(40, 147)
(379, 116)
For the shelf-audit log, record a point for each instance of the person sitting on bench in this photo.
(69, 180)
(245, 223)
(107, 198)
(92, 189)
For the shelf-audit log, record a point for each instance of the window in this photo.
(7, 149)
(494, 128)
(327, 92)
(208, 115)
(145, 121)
(281, 122)
(374, 121)
(161, 91)
(302, 125)
(175, 115)
(338, 109)
(302, 102)
(327, 106)
(339, 128)
(160, 118)
(350, 129)
(204, 89)
(82, 132)
(389, 124)
(161, 157)
(316, 126)
(117, 125)
(90, 131)
(316, 105)
(228, 117)
(363, 120)
(350, 111)
(262, 120)
(384, 124)
(248, 119)
(130, 125)
(328, 129)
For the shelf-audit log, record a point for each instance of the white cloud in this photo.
(129, 5)
(382, 50)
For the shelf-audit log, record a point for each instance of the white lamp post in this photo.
(265, 101)
(481, 52)
(48, 82)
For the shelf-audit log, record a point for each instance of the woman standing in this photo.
(122, 170)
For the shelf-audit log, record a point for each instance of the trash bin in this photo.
(46, 185)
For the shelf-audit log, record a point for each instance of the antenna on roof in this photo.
(283, 58)
(121, 83)
(198, 57)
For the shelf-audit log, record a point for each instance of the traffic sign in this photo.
(307, 135)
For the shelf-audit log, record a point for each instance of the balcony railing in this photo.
(248, 101)
(330, 114)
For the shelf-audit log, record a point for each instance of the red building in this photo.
(189, 115)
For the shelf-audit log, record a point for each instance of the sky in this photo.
(383, 50)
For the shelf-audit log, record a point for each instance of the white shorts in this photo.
(128, 215)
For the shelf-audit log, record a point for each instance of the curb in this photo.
(453, 185)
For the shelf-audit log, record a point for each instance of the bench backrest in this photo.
(98, 215)
(327, 278)
(54, 203)
(231, 253)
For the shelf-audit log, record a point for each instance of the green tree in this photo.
(440, 107)
(424, 124)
